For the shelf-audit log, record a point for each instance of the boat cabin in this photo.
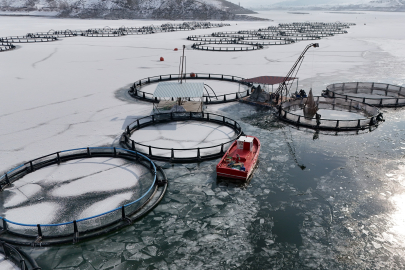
(240, 159)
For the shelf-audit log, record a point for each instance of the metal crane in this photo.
(283, 86)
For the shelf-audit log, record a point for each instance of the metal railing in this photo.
(183, 155)
(26, 39)
(135, 91)
(6, 46)
(65, 232)
(371, 115)
(286, 33)
(249, 46)
(391, 95)
(52, 35)
(104, 34)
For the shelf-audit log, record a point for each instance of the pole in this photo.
(181, 73)
(182, 65)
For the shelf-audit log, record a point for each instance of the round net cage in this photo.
(208, 38)
(6, 46)
(78, 194)
(230, 46)
(28, 39)
(334, 114)
(283, 34)
(376, 94)
(137, 89)
(203, 145)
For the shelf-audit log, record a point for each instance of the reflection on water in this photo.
(396, 233)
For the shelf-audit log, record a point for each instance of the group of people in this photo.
(262, 96)
(274, 97)
(300, 94)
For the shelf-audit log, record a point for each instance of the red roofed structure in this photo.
(270, 80)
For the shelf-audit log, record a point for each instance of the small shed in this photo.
(179, 96)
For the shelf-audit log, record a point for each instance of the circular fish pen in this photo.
(208, 98)
(103, 34)
(247, 39)
(267, 42)
(96, 220)
(261, 37)
(283, 34)
(280, 36)
(213, 123)
(52, 33)
(228, 46)
(27, 39)
(6, 43)
(15, 257)
(339, 114)
(297, 38)
(6, 46)
(376, 94)
(208, 38)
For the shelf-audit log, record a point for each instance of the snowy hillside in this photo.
(387, 3)
(133, 9)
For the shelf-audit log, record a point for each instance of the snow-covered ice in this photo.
(218, 87)
(40, 197)
(111, 202)
(183, 135)
(7, 264)
(38, 213)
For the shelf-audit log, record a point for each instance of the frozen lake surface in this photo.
(316, 201)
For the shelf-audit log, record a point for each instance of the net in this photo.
(376, 94)
(364, 115)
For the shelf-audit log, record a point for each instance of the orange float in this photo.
(162, 59)
(176, 49)
(192, 74)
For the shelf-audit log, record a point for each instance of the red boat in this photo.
(240, 160)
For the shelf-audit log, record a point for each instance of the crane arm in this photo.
(282, 85)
